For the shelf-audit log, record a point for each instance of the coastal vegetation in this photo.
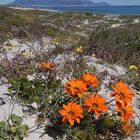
(96, 30)
(77, 73)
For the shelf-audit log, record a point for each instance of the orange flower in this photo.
(90, 79)
(96, 104)
(76, 87)
(71, 112)
(122, 93)
(46, 65)
(128, 129)
(126, 113)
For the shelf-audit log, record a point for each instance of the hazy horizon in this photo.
(112, 2)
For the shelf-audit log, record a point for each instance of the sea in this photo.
(114, 10)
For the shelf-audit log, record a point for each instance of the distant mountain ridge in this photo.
(57, 2)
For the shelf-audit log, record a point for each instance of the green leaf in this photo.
(16, 138)
(107, 122)
(37, 99)
(2, 124)
(23, 130)
(13, 83)
(91, 128)
(16, 119)
(80, 134)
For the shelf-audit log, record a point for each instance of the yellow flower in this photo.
(9, 35)
(27, 54)
(13, 129)
(55, 42)
(79, 50)
(133, 67)
(93, 55)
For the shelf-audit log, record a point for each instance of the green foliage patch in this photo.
(13, 129)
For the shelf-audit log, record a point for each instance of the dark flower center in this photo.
(71, 113)
(95, 105)
(122, 94)
(76, 89)
(88, 82)
(123, 111)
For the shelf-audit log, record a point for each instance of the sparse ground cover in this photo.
(53, 66)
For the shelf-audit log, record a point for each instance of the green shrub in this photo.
(13, 129)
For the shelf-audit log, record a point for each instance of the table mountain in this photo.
(57, 2)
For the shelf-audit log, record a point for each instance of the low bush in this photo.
(13, 129)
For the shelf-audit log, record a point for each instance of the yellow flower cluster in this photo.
(79, 49)
(28, 53)
(9, 47)
(133, 67)
(9, 35)
(93, 55)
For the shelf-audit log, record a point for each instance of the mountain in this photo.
(102, 4)
(57, 2)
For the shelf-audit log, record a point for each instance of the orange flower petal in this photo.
(76, 87)
(62, 112)
(71, 112)
(96, 104)
(77, 120)
(90, 79)
(71, 121)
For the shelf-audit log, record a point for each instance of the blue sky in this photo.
(113, 2)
